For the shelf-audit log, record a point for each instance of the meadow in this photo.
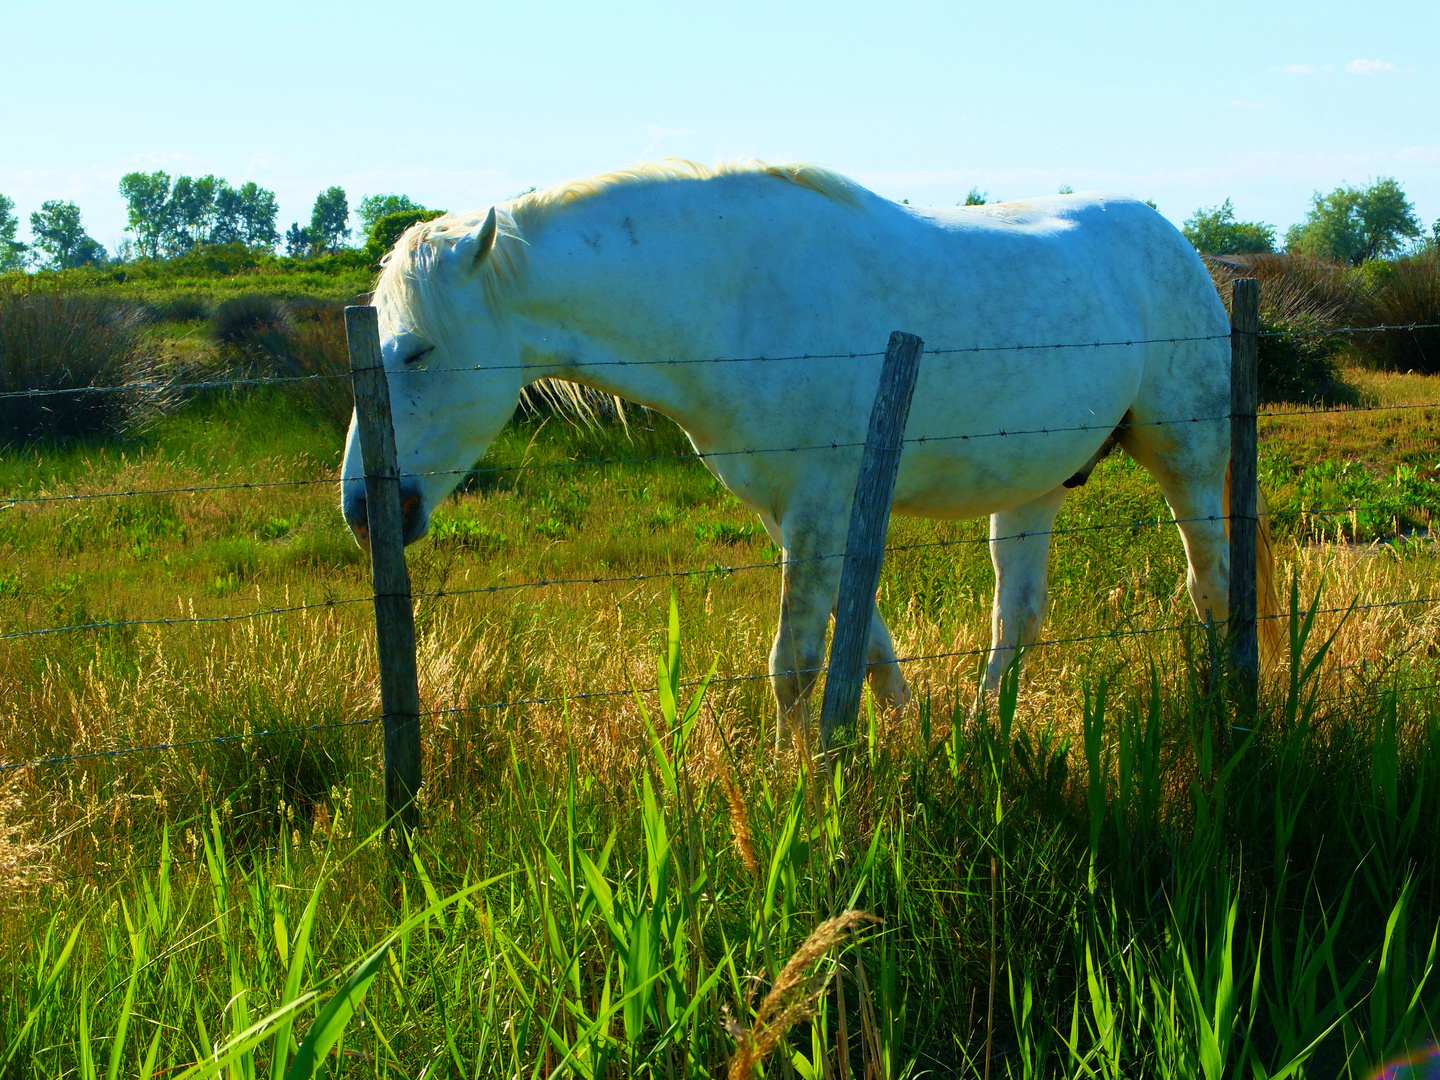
(617, 875)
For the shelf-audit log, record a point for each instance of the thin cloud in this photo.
(1420, 155)
(1295, 69)
(1369, 67)
(1245, 105)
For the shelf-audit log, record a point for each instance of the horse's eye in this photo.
(413, 357)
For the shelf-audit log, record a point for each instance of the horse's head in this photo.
(451, 359)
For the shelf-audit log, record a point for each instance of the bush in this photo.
(1303, 301)
(389, 228)
(52, 342)
(302, 338)
(185, 308)
(1403, 292)
(252, 321)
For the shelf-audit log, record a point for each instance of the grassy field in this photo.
(1075, 881)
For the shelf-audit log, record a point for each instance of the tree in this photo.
(58, 233)
(388, 228)
(1216, 232)
(297, 241)
(1355, 224)
(976, 197)
(329, 221)
(12, 252)
(147, 196)
(169, 221)
(245, 215)
(192, 212)
(374, 207)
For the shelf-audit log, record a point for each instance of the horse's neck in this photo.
(593, 327)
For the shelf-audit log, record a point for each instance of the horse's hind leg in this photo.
(1189, 463)
(887, 683)
(1019, 548)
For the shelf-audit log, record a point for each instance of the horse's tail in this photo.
(1267, 601)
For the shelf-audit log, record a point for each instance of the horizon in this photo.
(1261, 107)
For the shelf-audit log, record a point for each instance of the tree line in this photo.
(169, 218)
(1350, 225)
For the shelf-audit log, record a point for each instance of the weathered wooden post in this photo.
(865, 543)
(1244, 403)
(394, 616)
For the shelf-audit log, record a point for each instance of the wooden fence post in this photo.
(1244, 403)
(394, 617)
(865, 543)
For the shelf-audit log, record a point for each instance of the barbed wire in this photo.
(1341, 410)
(186, 744)
(1349, 330)
(553, 699)
(717, 570)
(540, 369)
(1106, 635)
(702, 456)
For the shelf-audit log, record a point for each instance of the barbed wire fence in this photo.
(402, 719)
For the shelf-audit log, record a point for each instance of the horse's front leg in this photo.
(809, 585)
(1019, 548)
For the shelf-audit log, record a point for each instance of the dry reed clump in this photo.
(50, 343)
(1302, 302)
(794, 996)
(1405, 292)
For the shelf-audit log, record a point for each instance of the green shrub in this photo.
(303, 339)
(186, 307)
(389, 228)
(252, 321)
(1303, 301)
(1402, 293)
(50, 342)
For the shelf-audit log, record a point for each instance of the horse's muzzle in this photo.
(414, 522)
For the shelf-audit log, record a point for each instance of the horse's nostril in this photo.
(409, 508)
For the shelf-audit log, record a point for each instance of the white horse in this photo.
(595, 281)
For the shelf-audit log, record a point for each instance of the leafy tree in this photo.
(1355, 224)
(12, 252)
(147, 196)
(329, 221)
(374, 207)
(1216, 232)
(245, 215)
(59, 234)
(387, 229)
(297, 241)
(976, 197)
(192, 212)
(169, 221)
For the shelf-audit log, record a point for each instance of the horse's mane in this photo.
(404, 275)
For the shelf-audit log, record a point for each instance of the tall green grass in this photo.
(1137, 903)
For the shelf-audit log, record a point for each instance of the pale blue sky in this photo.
(458, 105)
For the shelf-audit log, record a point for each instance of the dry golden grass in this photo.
(581, 648)
(1381, 439)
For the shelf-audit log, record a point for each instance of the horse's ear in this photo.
(485, 241)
